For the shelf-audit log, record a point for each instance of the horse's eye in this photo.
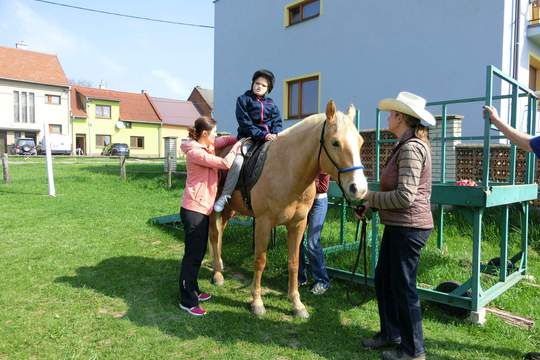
(335, 143)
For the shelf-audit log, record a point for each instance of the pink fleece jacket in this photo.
(202, 172)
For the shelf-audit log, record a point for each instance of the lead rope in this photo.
(362, 247)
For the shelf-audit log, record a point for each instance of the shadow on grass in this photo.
(7, 190)
(148, 286)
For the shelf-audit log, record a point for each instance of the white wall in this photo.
(364, 51)
(44, 113)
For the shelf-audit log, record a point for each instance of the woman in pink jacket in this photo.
(197, 203)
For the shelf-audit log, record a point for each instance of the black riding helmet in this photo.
(267, 74)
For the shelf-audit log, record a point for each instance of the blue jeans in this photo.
(316, 217)
(395, 285)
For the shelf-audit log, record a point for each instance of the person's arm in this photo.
(246, 123)
(410, 161)
(201, 157)
(224, 141)
(277, 123)
(522, 140)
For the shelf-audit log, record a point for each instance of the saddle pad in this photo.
(251, 169)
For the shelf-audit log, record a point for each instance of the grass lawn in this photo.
(84, 276)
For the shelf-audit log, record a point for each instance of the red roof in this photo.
(133, 106)
(176, 112)
(31, 66)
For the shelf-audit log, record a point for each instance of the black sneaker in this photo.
(379, 342)
(401, 355)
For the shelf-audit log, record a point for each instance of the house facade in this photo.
(34, 93)
(101, 117)
(362, 51)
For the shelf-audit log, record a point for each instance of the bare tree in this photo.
(80, 82)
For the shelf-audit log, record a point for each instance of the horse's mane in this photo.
(312, 121)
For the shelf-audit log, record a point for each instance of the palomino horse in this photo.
(285, 191)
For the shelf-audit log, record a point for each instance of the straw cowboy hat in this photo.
(410, 104)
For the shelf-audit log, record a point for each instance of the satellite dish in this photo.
(120, 124)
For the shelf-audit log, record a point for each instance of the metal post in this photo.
(343, 208)
(487, 127)
(122, 167)
(440, 233)
(377, 145)
(524, 237)
(504, 243)
(440, 227)
(531, 160)
(169, 172)
(513, 121)
(5, 167)
(443, 144)
(50, 174)
(477, 249)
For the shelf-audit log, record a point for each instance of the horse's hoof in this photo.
(218, 279)
(258, 310)
(302, 313)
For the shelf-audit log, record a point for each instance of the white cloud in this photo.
(175, 85)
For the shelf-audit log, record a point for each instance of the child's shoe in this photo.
(221, 202)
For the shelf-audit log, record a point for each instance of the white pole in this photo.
(48, 156)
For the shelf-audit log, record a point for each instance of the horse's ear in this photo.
(351, 112)
(331, 110)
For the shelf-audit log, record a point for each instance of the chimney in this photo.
(21, 45)
(144, 91)
(102, 84)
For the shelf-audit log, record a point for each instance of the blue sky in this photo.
(128, 55)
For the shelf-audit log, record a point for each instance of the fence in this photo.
(124, 167)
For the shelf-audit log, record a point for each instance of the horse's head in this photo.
(340, 151)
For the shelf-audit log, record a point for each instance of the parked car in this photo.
(60, 144)
(25, 146)
(116, 149)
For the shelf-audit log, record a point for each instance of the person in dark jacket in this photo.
(258, 118)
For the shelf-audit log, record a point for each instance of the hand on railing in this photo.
(491, 113)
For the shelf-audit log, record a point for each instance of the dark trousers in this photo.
(195, 243)
(395, 285)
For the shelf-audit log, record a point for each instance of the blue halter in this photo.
(340, 170)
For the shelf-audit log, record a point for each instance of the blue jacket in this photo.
(254, 123)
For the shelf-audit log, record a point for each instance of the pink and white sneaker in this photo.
(204, 297)
(195, 310)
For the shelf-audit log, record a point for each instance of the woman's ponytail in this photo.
(420, 131)
(201, 124)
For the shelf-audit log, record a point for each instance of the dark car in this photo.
(25, 146)
(116, 149)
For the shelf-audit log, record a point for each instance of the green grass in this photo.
(84, 276)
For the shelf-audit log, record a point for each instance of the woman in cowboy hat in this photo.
(404, 206)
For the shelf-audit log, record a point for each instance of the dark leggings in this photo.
(195, 243)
